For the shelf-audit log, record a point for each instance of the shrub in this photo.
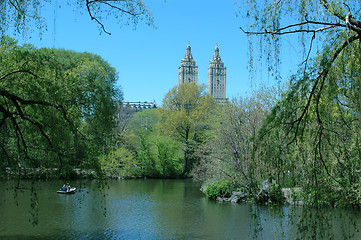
(276, 194)
(222, 188)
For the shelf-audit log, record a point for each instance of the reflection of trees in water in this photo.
(296, 222)
(326, 224)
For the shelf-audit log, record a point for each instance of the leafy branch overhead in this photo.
(25, 16)
(329, 18)
(337, 22)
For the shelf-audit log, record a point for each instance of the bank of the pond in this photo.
(48, 173)
(76, 173)
(239, 196)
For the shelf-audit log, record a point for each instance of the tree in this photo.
(230, 152)
(186, 109)
(169, 157)
(46, 74)
(157, 155)
(320, 113)
(56, 107)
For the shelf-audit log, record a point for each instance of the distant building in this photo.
(217, 77)
(126, 110)
(139, 106)
(188, 70)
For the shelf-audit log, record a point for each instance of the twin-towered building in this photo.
(188, 72)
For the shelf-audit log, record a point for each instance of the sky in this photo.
(147, 58)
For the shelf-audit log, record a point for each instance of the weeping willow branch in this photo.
(281, 31)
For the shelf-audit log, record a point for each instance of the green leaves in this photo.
(26, 16)
(157, 154)
(54, 105)
(186, 111)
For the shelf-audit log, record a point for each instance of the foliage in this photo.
(56, 108)
(185, 112)
(318, 23)
(275, 194)
(315, 127)
(169, 159)
(219, 188)
(120, 163)
(25, 16)
(157, 155)
(230, 149)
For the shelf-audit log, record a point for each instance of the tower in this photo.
(217, 77)
(188, 71)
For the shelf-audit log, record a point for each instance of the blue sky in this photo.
(147, 58)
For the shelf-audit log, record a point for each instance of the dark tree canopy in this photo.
(56, 107)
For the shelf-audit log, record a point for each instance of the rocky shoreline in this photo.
(237, 197)
(263, 195)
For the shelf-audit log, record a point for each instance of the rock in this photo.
(220, 199)
(266, 185)
(263, 194)
(237, 197)
(287, 193)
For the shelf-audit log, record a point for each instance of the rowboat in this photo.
(70, 191)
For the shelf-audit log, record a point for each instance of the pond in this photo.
(157, 209)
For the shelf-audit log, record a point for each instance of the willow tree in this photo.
(186, 109)
(320, 114)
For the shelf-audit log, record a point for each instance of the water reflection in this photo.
(159, 209)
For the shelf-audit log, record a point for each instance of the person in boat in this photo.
(68, 187)
(64, 188)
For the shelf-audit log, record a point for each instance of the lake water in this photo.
(157, 209)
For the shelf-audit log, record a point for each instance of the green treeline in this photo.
(163, 142)
(62, 109)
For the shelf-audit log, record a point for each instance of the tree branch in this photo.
(351, 22)
(280, 31)
(321, 77)
(106, 2)
(94, 18)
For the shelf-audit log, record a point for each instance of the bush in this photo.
(219, 188)
(276, 194)
(119, 163)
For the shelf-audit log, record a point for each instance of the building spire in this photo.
(188, 54)
(188, 71)
(216, 56)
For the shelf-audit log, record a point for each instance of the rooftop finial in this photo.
(216, 56)
(188, 54)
